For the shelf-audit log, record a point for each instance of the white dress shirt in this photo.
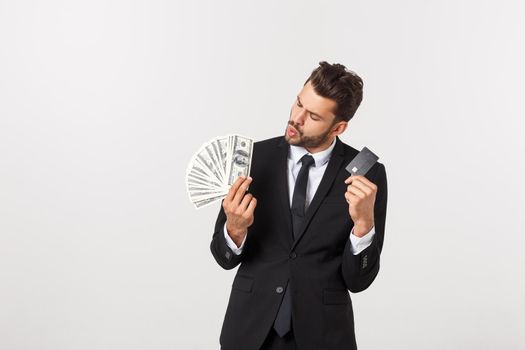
(358, 244)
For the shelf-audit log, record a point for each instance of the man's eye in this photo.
(314, 118)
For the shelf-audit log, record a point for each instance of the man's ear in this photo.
(339, 128)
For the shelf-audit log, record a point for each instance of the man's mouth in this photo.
(291, 131)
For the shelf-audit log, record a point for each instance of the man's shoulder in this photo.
(269, 142)
(349, 151)
(269, 145)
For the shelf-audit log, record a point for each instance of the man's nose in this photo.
(299, 116)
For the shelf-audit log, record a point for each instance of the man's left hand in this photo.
(361, 196)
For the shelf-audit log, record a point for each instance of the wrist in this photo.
(361, 228)
(236, 234)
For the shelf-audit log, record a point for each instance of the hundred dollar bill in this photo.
(209, 163)
(240, 158)
(201, 203)
(222, 145)
(215, 167)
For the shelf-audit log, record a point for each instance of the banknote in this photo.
(240, 159)
(215, 167)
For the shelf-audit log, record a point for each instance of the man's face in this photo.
(312, 121)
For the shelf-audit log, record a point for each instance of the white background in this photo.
(103, 103)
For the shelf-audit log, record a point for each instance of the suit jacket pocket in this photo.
(243, 283)
(335, 296)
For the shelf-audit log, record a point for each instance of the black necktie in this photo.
(299, 194)
(282, 324)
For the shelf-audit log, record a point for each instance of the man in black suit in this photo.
(307, 232)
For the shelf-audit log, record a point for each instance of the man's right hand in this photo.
(239, 207)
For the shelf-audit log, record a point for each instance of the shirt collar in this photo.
(320, 158)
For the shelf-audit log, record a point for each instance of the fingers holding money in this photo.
(243, 207)
(235, 188)
(239, 207)
(251, 207)
(241, 190)
(237, 192)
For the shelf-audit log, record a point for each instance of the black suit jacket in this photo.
(319, 264)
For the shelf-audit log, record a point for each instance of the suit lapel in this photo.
(326, 182)
(282, 185)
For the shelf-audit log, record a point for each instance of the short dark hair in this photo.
(337, 83)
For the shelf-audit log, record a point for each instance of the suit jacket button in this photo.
(293, 255)
(279, 290)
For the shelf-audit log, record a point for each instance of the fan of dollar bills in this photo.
(216, 166)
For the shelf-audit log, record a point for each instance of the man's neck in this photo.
(320, 148)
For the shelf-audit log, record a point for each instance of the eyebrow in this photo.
(317, 115)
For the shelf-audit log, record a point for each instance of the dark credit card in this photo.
(362, 162)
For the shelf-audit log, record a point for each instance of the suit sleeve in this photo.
(220, 250)
(359, 271)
